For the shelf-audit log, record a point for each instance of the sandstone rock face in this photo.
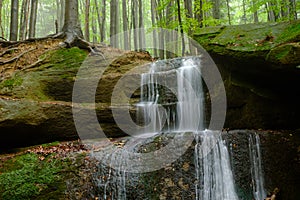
(36, 104)
(279, 160)
(259, 64)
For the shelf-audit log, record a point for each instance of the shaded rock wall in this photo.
(259, 64)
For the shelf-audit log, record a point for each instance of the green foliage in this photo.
(26, 176)
(67, 58)
(11, 83)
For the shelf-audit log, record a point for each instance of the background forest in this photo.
(23, 19)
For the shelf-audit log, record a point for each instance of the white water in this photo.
(213, 173)
(212, 164)
(256, 167)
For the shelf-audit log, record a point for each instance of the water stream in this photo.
(172, 103)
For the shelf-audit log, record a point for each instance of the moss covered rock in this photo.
(260, 65)
(36, 102)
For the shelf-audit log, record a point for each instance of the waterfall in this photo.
(256, 167)
(212, 164)
(213, 170)
(172, 106)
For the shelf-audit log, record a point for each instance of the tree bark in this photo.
(134, 8)
(142, 40)
(24, 19)
(153, 17)
(255, 13)
(1, 27)
(87, 20)
(125, 25)
(71, 26)
(14, 20)
(161, 34)
(114, 23)
(62, 13)
(228, 12)
(181, 27)
(94, 26)
(216, 9)
(199, 12)
(33, 14)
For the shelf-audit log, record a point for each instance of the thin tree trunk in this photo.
(114, 23)
(228, 12)
(142, 40)
(284, 9)
(99, 18)
(216, 9)
(168, 35)
(181, 27)
(94, 26)
(244, 12)
(134, 9)
(24, 19)
(255, 13)
(153, 17)
(62, 13)
(125, 25)
(14, 20)
(33, 15)
(87, 20)
(293, 9)
(199, 12)
(161, 34)
(103, 29)
(1, 27)
(271, 13)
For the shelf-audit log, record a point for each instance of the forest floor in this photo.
(46, 172)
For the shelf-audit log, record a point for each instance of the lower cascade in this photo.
(171, 110)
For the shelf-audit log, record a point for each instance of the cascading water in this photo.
(172, 104)
(256, 167)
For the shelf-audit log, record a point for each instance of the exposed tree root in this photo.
(8, 51)
(15, 58)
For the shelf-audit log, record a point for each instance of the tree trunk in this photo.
(87, 20)
(114, 23)
(142, 41)
(216, 9)
(271, 13)
(199, 12)
(255, 13)
(168, 35)
(228, 12)
(189, 8)
(94, 26)
(161, 34)
(244, 18)
(23, 20)
(33, 14)
(181, 27)
(1, 27)
(14, 20)
(153, 17)
(71, 26)
(293, 10)
(134, 8)
(125, 25)
(62, 13)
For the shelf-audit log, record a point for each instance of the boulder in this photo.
(260, 66)
(36, 102)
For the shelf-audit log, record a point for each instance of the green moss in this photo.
(11, 83)
(67, 58)
(292, 32)
(26, 176)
